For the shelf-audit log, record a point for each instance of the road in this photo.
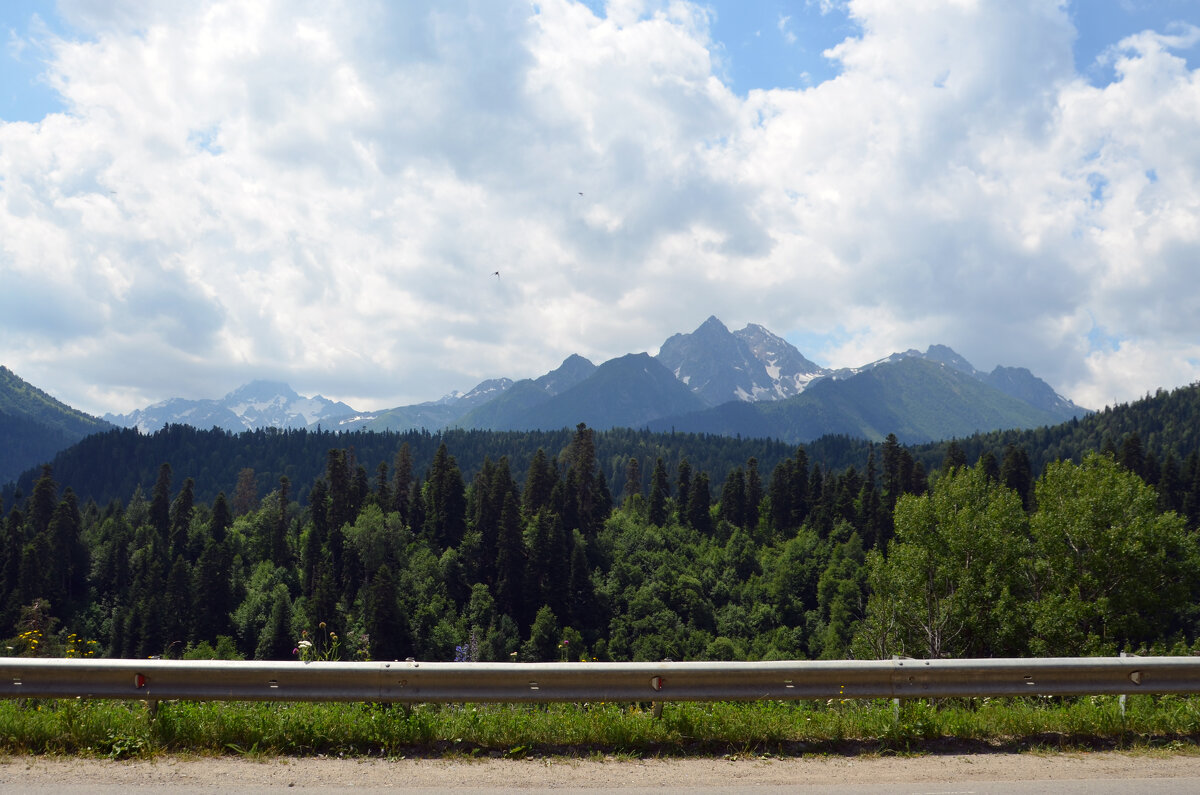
(942, 774)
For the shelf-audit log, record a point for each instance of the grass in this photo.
(119, 730)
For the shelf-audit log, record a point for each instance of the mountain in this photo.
(431, 416)
(626, 392)
(1015, 382)
(514, 405)
(258, 404)
(752, 364)
(1024, 385)
(34, 426)
(737, 375)
(790, 372)
(916, 398)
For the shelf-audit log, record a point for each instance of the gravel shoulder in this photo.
(45, 774)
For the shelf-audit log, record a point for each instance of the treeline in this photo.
(803, 562)
(1158, 435)
(113, 464)
(617, 545)
(400, 564)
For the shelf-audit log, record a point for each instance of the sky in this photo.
(196, 195)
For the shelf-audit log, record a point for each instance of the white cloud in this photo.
(782, 24)
(319, 193)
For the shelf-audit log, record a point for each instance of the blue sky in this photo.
(307, 191)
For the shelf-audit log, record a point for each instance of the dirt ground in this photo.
(231, 773)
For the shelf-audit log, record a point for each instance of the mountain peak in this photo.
(262, 391)
(946, 355)
(750, 365)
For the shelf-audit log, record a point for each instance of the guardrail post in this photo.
(656, 684)
(896, 702)
(1121, 699)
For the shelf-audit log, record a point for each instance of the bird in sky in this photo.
(496, 274)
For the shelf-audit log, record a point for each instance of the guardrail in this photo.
(414, 681)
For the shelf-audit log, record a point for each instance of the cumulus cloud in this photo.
(320, 193)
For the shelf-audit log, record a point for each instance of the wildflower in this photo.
(305, 644)
(321, 625)
(295, 652)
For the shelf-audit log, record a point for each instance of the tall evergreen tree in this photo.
(386, 627)
(221, 520)
(683, 489)
(445, 502)
(160, 505)
(402, 479)
(660, 492)
(633, 480)
(699, 502)
(42, 503)
(182, 510)
(510, 564)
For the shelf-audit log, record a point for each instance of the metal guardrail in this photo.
(414, 682)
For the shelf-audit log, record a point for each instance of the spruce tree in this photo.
(387, 631)
(160, 505)
(660, 491)
(402, 478)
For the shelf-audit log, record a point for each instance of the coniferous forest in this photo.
(624, 545)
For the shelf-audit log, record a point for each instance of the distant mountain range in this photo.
(712, 380)
(748, 382)
(258, 404)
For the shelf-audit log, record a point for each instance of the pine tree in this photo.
(42, 503)
(275, 642)
(544, 635)
(733, 498)
(660, 492)
(402, 479)
(181, 518)
(699, 502)
(445, 503)
(245, 493)
(633, 480)
(683, 486)
(340, 498)
(754, 492)
(1017, 474)
(160, 505)
(510, 565)
(221, 520)
(177, 603)
(955, 458)
(210, 586)
(279, 552)
(539, 483)
(387, 631)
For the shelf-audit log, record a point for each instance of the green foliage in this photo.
(1110, 570)
(951, 583)
(123, 730)
(806, 559)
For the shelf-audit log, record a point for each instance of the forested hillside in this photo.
(555, 559)
(1158, 437)
(34, 426)
(114, 464)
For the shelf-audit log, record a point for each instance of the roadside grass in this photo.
(120, 729)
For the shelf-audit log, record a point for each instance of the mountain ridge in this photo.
(712, 380)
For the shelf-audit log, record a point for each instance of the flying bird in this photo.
(496, 274)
